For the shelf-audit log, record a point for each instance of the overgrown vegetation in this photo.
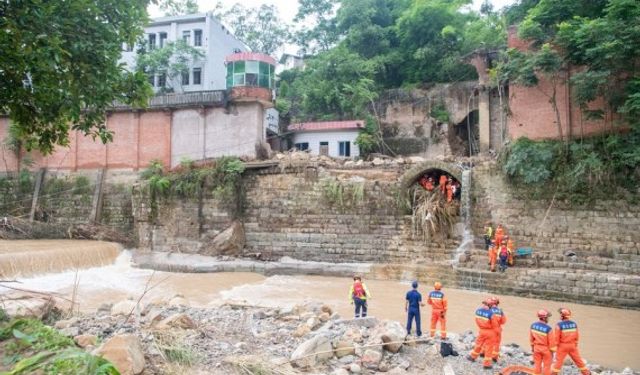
(32, 347)
(221, 177)
(370, 45)
(343, 194)
(599, 168)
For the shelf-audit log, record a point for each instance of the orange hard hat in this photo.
(564, 313)
(495, 300)
(437, 285)
(543, 313)
(489, 302)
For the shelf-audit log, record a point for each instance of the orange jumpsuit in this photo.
(449, 188)
(566, 333)
(499, 234)
(502, 319)
(438, 303)
(443, 183)
(543, 343)
(493, 257)
(487, 322)
(429, 185)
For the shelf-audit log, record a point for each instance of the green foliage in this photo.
(178, 7)
(440, 113)
(59, 67)
(368, 138)
(259, 28)
(36, 348)
(371, 45)
(601, 167)
(223, 177)
(529, 161)
(342, 194)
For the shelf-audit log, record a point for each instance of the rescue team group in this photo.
(499, 247)
(545, 341)
(447, 186)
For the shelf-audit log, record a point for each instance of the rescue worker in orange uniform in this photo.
(493, 256)
(430, 184)
(566, 333)
(438, 303)
(499, 234)
(543, 343)
(443, 183)
(502, 319)
(449, 188)
(487, 323)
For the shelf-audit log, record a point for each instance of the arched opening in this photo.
(434, 197)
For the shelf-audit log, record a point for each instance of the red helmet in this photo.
(564, 313)
(437, 285)
(542, 314)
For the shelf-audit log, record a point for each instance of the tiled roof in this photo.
(327, 125)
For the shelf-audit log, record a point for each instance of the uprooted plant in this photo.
(432, 216)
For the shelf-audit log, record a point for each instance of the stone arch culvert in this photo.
(410, 177)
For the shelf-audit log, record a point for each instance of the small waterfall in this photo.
(37, 257)
(465, 211)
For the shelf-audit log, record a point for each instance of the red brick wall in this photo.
(532, 115)
(138, 138)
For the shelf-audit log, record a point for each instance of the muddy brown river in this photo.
(609, 337)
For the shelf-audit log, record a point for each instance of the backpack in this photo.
(358, 290)
(446, 349)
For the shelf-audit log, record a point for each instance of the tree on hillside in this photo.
(59, 66)
(178, 7)
(259, 28)
(324, 32)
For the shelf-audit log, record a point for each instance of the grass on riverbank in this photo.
(28, 346)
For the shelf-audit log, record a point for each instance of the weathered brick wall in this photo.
(604, 234)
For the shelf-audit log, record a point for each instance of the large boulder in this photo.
(30, 305)
(228, 242)
(371, 358)
(86, 340)
(393, 335)
(313, 351)
(344, 348)
(125, 352)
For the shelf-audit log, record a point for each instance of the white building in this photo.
(333, 138)
(202, 31)
(288, 61)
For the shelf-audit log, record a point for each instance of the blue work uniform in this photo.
(414, 298)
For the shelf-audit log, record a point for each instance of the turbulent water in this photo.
(33, 257)
(465, 211)
(608, 336)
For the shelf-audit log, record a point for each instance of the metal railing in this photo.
(216, 98)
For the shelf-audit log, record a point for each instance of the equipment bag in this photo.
(446, 349)
(358, 290)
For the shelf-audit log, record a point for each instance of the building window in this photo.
(197, 76)
(186, 36)
(163, 39)
(162, 79)
(197, 38)
(250, 73)
(345, 148)
(185, 78)
(302, 146)
(324, 148)
(152, 41)
(152, 79)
